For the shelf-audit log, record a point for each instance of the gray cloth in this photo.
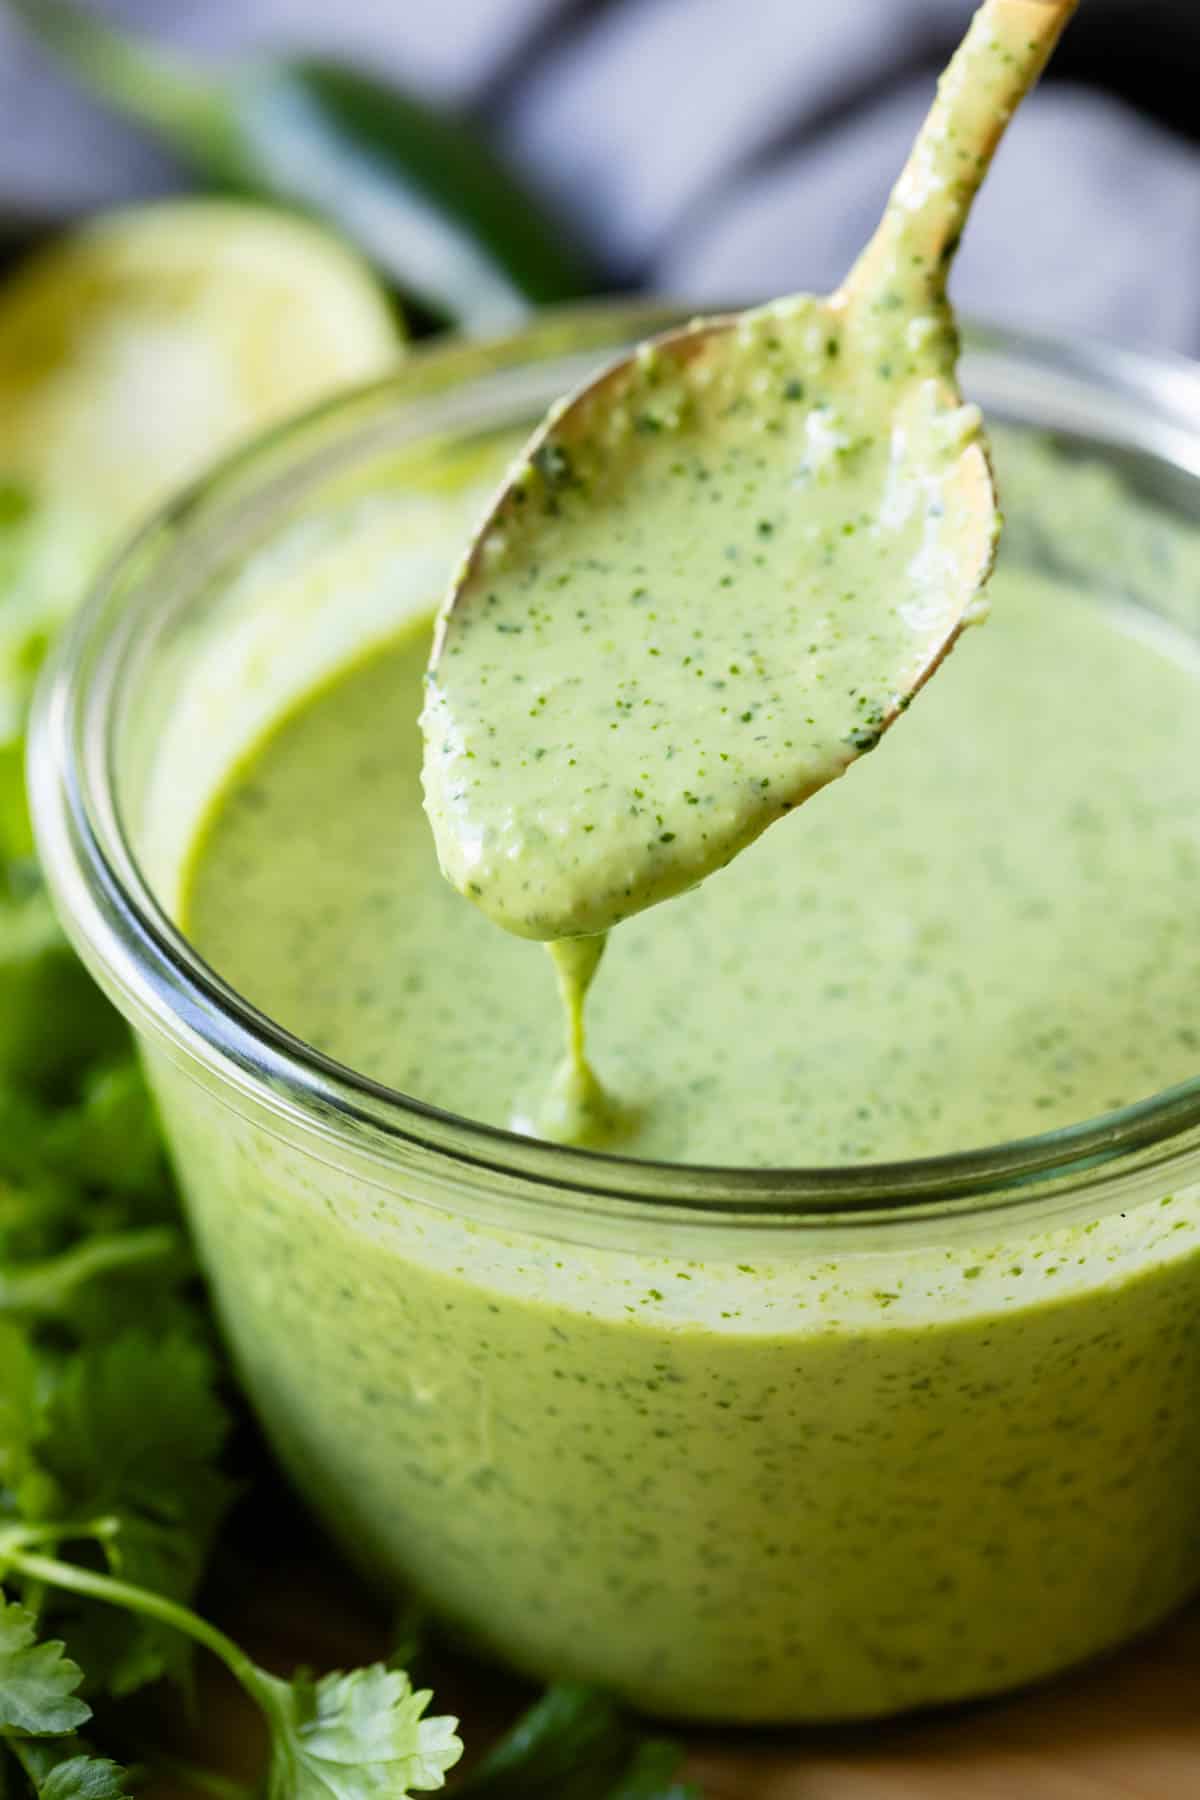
(712, 149)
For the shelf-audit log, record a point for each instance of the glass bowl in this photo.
(740, 1444)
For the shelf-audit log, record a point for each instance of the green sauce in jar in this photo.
(771, 1488)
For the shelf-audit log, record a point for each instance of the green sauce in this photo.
(808, 1480)
(576, 1109)
(725, 566)
(1003, 889)
(698, 617)
(721, 572)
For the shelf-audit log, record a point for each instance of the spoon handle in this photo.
(1006, 47)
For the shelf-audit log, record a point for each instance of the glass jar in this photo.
(768, 1445)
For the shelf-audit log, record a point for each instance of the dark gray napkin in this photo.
(733, 148)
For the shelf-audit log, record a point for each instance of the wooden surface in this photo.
(1128, 1729)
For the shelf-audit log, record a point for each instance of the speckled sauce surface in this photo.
(717, 589)
(984, 931)
(731, 1482)
(832, 1477)
(720, 571)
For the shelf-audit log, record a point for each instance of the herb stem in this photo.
(47, 1286)
(20, 1748)
(149, 1605)
(15, 1539)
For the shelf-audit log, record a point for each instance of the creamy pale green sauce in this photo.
(744, 1479)
(710, 599)
(987, 930)
(719, 574)
(724, 568)
(736, 1474)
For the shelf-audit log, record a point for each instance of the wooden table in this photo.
(1128, 1729)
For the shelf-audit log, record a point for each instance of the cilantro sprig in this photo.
(356, 1736)
(112, 1493)
(112, 1438)
(111, 1487)
(113, 1434)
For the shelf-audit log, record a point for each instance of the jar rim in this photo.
(163, 986)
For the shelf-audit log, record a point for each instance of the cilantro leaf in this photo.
(576, 1743)
(359, 1736)
(53, 1018)
(64, 1769)
(111, 1139)
(84, 1778)
(85, 1201)
(36, 1207)
(135, 1424)
(133, 1431)
(651, 1774)
(18, 1392)
(572, 1728)
(37, 1680)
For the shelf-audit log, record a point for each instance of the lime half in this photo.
(132, 352)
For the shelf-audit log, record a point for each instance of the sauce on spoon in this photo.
(723, 569)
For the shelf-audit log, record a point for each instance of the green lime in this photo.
(132, 352)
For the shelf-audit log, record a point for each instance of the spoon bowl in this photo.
(723, 568)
